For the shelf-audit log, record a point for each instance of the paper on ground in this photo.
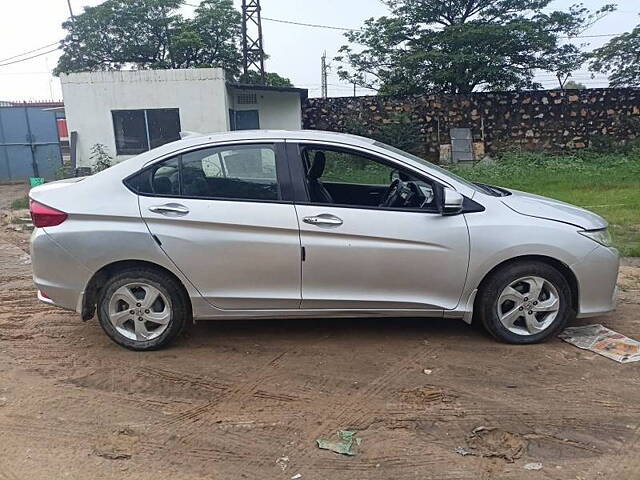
(604, 341)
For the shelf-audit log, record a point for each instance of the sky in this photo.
(294, 51)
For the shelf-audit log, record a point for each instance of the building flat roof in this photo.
(303, 92)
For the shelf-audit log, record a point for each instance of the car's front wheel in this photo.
(525, 302)
(143, 309)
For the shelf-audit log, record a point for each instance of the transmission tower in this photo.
(324, 74)
(252, 48)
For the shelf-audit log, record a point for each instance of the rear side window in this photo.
(241, 172)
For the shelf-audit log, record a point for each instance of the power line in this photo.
(30, 51)
(594, 36)
(29, 58)
(312, 25)
(301, 24)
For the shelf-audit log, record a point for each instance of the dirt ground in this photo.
(248, 399)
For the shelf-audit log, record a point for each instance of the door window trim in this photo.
(283, 174)
(299, 177)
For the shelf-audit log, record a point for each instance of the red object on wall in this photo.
(63, 131)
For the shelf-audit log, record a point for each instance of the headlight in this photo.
(603, 237)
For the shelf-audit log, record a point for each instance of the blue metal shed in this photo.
(29, 143)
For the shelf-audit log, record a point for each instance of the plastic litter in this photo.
(347, 446)
(533, 466)
(463, 451)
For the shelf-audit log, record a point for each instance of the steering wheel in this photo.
(403, 194)
(392, 195)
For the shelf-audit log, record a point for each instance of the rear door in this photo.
(361, 256)
(222, 216)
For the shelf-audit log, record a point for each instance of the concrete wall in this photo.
(537, 120)
(277, 110)
(199, 94)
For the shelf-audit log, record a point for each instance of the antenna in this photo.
(252, 48)
(324, 74)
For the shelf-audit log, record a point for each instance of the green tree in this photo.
(151, 34)
(573, 85)
(620, 59)
(458, 46)
(272, 79)
(120, 34)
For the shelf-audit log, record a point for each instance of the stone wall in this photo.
(549, 120)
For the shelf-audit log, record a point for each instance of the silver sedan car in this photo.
(273, 224)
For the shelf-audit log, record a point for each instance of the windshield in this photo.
(422, 161)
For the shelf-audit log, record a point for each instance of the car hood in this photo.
(550, 209)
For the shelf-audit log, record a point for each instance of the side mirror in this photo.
(453, 202)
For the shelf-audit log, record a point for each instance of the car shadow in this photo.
(351, 328)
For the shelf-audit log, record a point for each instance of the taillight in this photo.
(43, 216)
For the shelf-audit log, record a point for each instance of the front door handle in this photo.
(170, 209)
(324, 220)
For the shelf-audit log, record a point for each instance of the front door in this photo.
(220, 216)
(364, 256)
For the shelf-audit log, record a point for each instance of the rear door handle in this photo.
(170, 209)
(324, 220)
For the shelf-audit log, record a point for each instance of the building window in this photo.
(137, 131)
(244, 119)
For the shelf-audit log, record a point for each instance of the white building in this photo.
(133, 111)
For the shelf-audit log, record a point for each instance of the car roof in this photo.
(192, 140)
(280, 134)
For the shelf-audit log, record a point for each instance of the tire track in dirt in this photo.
(350, 415)
(6, 473)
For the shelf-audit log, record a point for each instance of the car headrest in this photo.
(317, 166)
(162, 185)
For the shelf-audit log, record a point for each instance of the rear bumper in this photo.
(59, 278)
(597, 274)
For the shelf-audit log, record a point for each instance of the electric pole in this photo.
(73, 18)
(252, 47)
(324, 74)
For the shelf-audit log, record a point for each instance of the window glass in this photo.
(137, 131)
(130, 132)
(164, 126)
(447, 173)
(351, 168)
(162, 179)
(342, 177)
(242, 172)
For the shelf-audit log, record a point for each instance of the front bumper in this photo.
(597, 274)
(59, 278)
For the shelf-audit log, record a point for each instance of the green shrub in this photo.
(608, 184)
(20, 203)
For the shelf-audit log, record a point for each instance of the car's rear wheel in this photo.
(525, 302)
(143, 309)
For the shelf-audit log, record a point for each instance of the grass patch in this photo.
(608, 184)
(20, 203)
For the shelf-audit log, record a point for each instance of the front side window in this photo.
(348, 178)
(243, 172)
(137, 131)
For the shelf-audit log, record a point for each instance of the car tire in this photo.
(143, 309)
(525, 302)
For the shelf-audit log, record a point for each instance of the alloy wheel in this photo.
(139, 311)
(528, 306)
